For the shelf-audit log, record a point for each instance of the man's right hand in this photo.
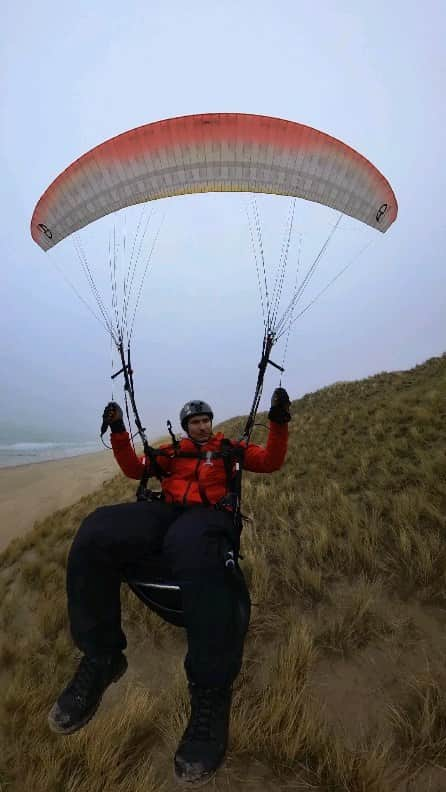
(112, 417)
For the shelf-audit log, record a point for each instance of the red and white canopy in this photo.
(215, 152)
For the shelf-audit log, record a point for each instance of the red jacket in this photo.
(187, 477)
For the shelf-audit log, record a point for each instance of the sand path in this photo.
(33, 492)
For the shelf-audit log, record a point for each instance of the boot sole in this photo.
(54, 726)
(189, 783)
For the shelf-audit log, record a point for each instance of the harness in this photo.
(232, 456)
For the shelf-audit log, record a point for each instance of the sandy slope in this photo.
(32, 492)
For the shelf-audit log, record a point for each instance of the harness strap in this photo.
(234, 488)
(141, 492)
(228, 453)
(203, 495)
(194, 454)
(157, 469)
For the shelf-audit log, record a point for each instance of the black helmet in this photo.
(194, 408)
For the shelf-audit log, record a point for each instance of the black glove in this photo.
(112, 417)
(280, 407)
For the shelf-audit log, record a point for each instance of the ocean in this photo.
(13, 454)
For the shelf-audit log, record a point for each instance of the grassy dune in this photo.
(343, 686)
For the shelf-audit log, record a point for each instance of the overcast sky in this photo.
(73, 75)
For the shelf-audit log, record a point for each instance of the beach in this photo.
(34, 491)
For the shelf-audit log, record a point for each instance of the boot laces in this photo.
(204, 703)
(82, 681)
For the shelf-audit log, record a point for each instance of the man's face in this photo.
(199, 427)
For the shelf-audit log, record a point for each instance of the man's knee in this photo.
(94, 524)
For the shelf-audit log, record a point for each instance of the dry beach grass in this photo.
(343, 685)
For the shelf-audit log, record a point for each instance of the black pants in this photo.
(184, 545)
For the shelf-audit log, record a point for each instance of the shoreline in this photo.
(22, 465)
(34, 490)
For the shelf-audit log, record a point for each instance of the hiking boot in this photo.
(79, 701)
(203, 744)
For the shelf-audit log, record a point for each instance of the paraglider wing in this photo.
(216, 152)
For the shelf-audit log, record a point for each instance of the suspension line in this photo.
(149, 259)
(87, 272)
(341, 272)
(280, 275)
(262, 258)
(135, 266)
(254, 250)
(296, 296)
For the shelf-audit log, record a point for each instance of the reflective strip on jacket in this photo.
(186, 477)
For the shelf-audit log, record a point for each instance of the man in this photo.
(182, 536)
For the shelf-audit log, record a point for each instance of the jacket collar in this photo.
(212, 444)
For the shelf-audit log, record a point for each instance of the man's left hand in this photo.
(280, 407)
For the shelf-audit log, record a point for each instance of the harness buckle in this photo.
(228, 502)
(145, 494)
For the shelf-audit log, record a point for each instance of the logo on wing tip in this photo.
(381, 211)
(48, 233)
